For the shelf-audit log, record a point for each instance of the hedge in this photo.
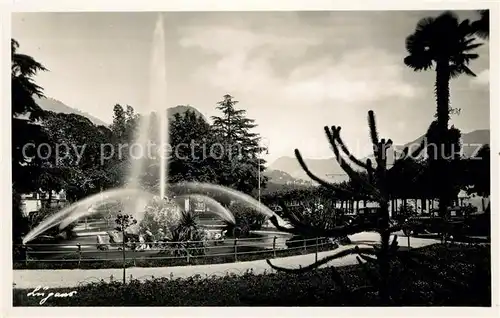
(462, 277)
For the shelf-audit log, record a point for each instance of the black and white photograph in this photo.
(270, 158)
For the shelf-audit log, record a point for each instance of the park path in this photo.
(67, 278)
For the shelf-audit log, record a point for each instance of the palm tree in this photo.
(481, 27)
(443, 44)
(185, 236)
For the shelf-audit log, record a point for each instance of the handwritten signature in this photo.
(36, 293)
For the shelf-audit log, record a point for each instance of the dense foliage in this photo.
(247, 219)
(242, 148)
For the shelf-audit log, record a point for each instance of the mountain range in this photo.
(54, 105)
(329, 168)
(286, 170)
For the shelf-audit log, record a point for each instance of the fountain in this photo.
(157, 103)
(131, 196)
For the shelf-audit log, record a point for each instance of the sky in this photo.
(293, 72)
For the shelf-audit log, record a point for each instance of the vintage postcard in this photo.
(305, 155)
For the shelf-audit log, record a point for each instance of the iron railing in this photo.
(186, 250)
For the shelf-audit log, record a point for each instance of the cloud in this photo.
(245, 64)
(225, 41)
(358, 76)
(483, 78)
(400, 125)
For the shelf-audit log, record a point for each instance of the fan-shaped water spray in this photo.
(213, 206)
(217, 190)
(83, 208)
(207, 189)
(133, 200)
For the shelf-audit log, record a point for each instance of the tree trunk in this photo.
(443, 115)
(123, 253)
(49, 200)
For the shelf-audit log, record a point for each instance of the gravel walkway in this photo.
(74, 277)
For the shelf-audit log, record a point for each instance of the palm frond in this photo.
(472, 47)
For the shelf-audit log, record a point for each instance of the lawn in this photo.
(456, 275)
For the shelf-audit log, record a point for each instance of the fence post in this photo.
(316, 257)
(274, 246)
(86, 227)
(305, 245)
(25, 249)
(235, 249)
(187, 252)
(123, 253)
(79, 247)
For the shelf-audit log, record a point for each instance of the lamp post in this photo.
(266, 145)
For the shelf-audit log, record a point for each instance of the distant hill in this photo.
(54, 105)
(272, 187)
(326, 168)
(180, 109)
(330, 170)
(471, 142)
(280, 177)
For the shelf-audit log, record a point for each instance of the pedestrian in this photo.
(100, 244)
(149, 239)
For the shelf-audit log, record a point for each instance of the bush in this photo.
(464, 283)
(247, 219)
(405, 211)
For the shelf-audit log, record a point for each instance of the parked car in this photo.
(455, 224)
(366, 215)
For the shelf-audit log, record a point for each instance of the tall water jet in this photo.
(158, 87)
(157, 104)
(137, 165)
